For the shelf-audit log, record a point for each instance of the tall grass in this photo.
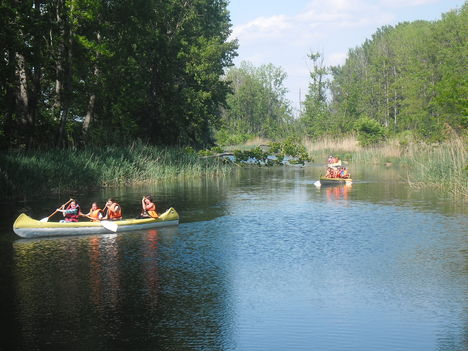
(442, 166)
(29, 173)
(348, 148)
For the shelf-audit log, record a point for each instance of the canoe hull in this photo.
(26, 227)
(335, 181)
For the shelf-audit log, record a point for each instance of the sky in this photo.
(283, 32)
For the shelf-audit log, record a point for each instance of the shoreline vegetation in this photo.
(37, 172)
(441, 166)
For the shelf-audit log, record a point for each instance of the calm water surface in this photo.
(262, 260)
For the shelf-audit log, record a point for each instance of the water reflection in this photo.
(262, 260)
(337, 192)
(93, 290)
(74, 289)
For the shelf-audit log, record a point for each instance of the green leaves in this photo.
(370, 132)
(257, 104)
(147, 69)
(408, 77)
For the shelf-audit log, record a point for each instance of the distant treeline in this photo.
(91, 72)
(411, 77)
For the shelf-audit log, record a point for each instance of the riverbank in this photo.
(443, 166)
(24, 174)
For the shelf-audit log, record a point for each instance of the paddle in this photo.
(47, 218)
(112, 226)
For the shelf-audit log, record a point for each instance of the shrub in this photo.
(370, 132)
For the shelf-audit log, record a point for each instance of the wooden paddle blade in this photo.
(44, 219)
(112, 226)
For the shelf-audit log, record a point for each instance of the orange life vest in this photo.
(151, 210)
(95, 215)
(114, 213)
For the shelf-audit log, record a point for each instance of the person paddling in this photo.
(71, 213)
(148, 207)
(94, 214)
(114, 211)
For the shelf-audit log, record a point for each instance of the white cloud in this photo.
(262, 27)
(318, 20)
(337, 58)
(407, 3)
(330, 27)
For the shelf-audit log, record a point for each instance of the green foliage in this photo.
(408, 77)
(296, 153)
(29, 173)
(256, 155)
(217, 149)
(257, 104)
(370, 132)
(109, 72)
(441, 167)
(316, 117)
(224, 137)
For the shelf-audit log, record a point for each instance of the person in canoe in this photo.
(344, 173)
(94, 214)
(148, 207)
(71, 213)
(114, 211)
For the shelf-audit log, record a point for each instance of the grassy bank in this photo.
(443, 167)
(440, 166)
(29, 173)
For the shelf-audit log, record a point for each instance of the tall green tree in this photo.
(258, 103)
(316, 116)
(411, 76)
(96, 72)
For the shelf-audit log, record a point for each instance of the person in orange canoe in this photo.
(114, 211)
(148, 207)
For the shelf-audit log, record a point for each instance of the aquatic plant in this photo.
(29, 173)
(441, 166)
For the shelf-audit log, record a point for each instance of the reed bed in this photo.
(29, 173)
(348, 148)
(441, 166)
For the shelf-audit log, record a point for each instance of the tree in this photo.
(98, 72)
(257, 104)
(316, 115)
(370, 132)
(407, 77)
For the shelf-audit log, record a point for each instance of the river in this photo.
(262, 260)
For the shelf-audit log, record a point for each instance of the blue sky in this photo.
(283, 32)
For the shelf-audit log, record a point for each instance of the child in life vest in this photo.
(148, 207)
(95, 213)
(71, 213)
(114, 211)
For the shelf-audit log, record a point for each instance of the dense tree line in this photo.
(408, 77)
(411, 76)
(81, 72)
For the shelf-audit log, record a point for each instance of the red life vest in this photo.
(71, 217)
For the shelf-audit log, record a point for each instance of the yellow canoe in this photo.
(335, 181)
(27, 227)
